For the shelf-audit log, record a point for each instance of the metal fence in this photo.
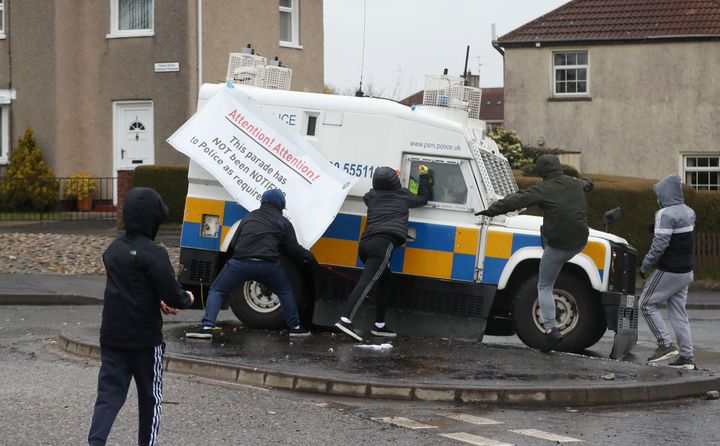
(88, 198)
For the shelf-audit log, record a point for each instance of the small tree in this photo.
(510, 146)
(29, 184)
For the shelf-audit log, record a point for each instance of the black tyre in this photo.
(256, 306)
(578, 312)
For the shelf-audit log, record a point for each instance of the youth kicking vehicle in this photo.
(458, 276)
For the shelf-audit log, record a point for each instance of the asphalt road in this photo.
(47, 399)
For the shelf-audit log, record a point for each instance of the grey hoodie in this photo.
(672, 246)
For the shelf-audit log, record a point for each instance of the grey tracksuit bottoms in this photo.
(671, 289)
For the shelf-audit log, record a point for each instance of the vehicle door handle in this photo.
(122, 154)
(137, 161)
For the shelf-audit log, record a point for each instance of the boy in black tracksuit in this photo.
(140, 285)
(387, 226)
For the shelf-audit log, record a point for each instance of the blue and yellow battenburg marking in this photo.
(501, 245)
(441, 251)
(228, 212)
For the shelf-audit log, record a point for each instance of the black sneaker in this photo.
(684, 362)
(552, 339)
(347, 328)
(383, 332)
(299, 332)
(200, 333)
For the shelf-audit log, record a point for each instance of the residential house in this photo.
(103, 83)
(492, 107)
(634, 86)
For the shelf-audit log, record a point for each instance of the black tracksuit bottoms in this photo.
(375, 252)
(117, 368)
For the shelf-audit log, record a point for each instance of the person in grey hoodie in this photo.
(671, 254)
(564, 231)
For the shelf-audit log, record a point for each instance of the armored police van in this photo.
(458, 276)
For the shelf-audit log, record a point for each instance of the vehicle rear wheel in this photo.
(258, 307)
(578, 313)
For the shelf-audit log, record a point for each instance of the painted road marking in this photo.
(545, 435)
(472, 419)
(475, 439)
(405, 422)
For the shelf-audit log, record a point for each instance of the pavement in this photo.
(404, 368)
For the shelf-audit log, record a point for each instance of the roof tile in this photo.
(621, 19)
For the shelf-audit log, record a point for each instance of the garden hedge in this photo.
(171, 182)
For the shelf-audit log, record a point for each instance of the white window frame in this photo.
(586, 66)
(116, 33)
(463, 164)
(4, 133)
(690, 169)
(294, 11)
(2, 19)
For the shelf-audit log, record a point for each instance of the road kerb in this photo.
(510, 396)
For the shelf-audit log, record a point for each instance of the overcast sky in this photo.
(407, 39)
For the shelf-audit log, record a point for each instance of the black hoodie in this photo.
(139, 276)
(388, 205)
(562, 200)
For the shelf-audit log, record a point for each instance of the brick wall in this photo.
(124, 184)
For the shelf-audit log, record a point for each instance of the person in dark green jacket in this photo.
(564, 231)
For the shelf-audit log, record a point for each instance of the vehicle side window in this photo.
(448, 184)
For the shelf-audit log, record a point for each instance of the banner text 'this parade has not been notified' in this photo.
(277, 149)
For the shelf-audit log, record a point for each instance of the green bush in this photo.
(29, 185)
(171, 183)
(510, 146)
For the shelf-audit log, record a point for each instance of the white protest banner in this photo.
(250, 151)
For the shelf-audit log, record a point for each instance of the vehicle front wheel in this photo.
(258, 307)
(579, 314)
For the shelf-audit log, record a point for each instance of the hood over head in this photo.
(669, 191)
(143, 211)
(385, 178)
(548, 166)
(274, 197)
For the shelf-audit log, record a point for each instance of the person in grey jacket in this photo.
(671, 254)
(564, 230)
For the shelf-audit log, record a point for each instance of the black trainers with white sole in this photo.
(299, 332)
(200, 333)
(347, 328)
(382, 332)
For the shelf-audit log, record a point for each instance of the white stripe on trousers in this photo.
(649, 291)
(377, 275)
(157, 393)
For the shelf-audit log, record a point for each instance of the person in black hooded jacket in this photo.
(140, 286)
(387, 225)
(256, 247)
(564, 231)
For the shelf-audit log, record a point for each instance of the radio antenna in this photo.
(359, 92)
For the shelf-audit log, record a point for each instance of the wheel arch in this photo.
(527, 260)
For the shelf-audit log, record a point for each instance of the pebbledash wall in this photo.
(67, 70)
(648, 105)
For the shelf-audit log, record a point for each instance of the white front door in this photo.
(133, 134)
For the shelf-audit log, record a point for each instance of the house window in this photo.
(702, 172)
(290, 23)
(570, 73)
(131, 18)
(2, 18)
(4, 133)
